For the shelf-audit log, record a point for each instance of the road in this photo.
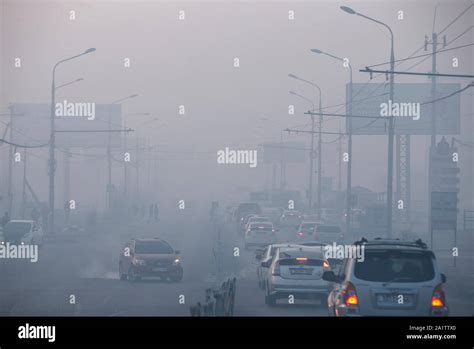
(84, 269)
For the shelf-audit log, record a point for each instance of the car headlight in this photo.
(139, 262)
(176, 261)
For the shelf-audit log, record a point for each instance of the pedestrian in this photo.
(5, 219)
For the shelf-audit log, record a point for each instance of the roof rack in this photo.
(392, 242)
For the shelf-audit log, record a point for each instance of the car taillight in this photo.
(276, 269)
(300, 233)
(325, 264)
(350, 294)
(438, 298)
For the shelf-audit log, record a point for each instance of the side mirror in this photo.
(177, 252)
(443, 278)
(329, 276)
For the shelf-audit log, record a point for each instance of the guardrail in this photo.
(218, 302)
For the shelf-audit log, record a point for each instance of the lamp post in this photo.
(349, 143)
(319, 138)
(390, 122)
(52, 139)
(311, 157)
(67, 155)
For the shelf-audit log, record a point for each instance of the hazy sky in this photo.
(191, 63)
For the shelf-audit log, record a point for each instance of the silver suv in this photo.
(395, 278)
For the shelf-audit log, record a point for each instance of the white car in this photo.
(395, 278)
(23, 232)
(257, 219)
(264, 256)
(297, 271)
(260, 234)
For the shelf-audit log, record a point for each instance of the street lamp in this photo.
(52, 139)
(319, 138)
(390, 120)
(310, 186)
(349, 145)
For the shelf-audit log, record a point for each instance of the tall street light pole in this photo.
(52, 140)
(390, 122)
(67, 155)
(311, 154)
(349, 144)
(320, 151)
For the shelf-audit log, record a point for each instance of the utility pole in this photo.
(10, 165)
(67, 175)
(434, 45)
(320, 155)
(23, 195)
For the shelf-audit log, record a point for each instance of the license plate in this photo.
(301, 271)
(394, 298)
(160, 269)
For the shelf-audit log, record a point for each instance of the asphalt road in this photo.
(85, 267)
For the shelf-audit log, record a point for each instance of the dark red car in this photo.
(149, 258)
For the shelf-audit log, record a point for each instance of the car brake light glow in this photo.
(350, 295)
(437, 300)
(301, 258)
(300, 233)
(325, 264)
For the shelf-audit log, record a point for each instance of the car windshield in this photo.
(152, 247)
(17, 229)
(395, 266)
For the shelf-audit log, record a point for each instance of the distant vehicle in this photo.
(149, 258)
(257, 219)
(328, 233)
(73, 230)
(245, 209)
(265, 255)
(396, 278)
(305, 230)
(260, 234)
(290, 218)
(296, 271)
(26, 232)
(243, 222)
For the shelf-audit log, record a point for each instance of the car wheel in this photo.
(122, 275)
(131, 276)
(270, 300)
(177, 277)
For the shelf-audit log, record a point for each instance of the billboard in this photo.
(372, 100)
(289, 152)
(31, 124)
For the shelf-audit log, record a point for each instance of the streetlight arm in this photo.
(376, 21)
